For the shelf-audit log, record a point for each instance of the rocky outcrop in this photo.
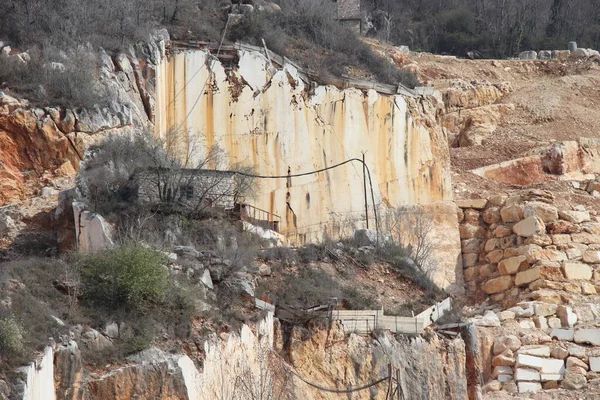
(39, 144)
(433, 227)
(154, 375)
(427, 367)
(472, 110)
(567, 160)
(275, 121)
(39, 378)
(68, 371)
(92, 232)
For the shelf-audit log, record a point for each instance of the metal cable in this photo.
(322, 170)
(355, 389)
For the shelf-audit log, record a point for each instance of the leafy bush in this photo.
(11, 337)
(131, 276)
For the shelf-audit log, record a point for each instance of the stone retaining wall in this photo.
(525, 243)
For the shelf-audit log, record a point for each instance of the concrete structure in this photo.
(212, 188)
(349, 15)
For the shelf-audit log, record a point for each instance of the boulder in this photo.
(112, 330)
(510, 342)
(591, 336)
(561, 239)
(529, 387)
(563, 334)
(491, 215)
(186, 252)
(540, 322)
(545, 309)
(591, 257)
(528, 56)
(576, 362)
(206, 279)
(567, 316)
(493, 386)
(576, 271)
(554, 323)
(512, 265)
(471, 216)
(582, 53)
(543, 211)
(498, 285)
(585, 237)
(495, 256)
(505, 359)
(478, 204)
(587, 288)
(594, 364)
(510, 387)
(471, 246)
(529, 226)
(575, 217)
(535, 350)
(470, 260)
(95, 341)
(544, 365)
(573, 381)
(526, 324)
(562, 227)
(530, 275)
(506, 315)
(502, 231)
(512, 213)
(469, 231)
(526, 374)
(540, 240)
(490, 319)
(559, 353)
(521, 312)
(501, 370)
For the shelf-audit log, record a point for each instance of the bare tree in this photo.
(162, 173)
(413, 230)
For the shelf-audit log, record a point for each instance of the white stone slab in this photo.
(591, 336)
(551, 377)
(529, 387)
(526, 374)
(563, 334)
(534, 350)
(595, 364)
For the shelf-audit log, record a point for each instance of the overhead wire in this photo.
(332, 390)
(323, 170)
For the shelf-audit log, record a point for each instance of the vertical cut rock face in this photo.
(272, 122)
(426, 368)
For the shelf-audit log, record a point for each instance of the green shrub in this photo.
(132, 276)
(11, 337)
